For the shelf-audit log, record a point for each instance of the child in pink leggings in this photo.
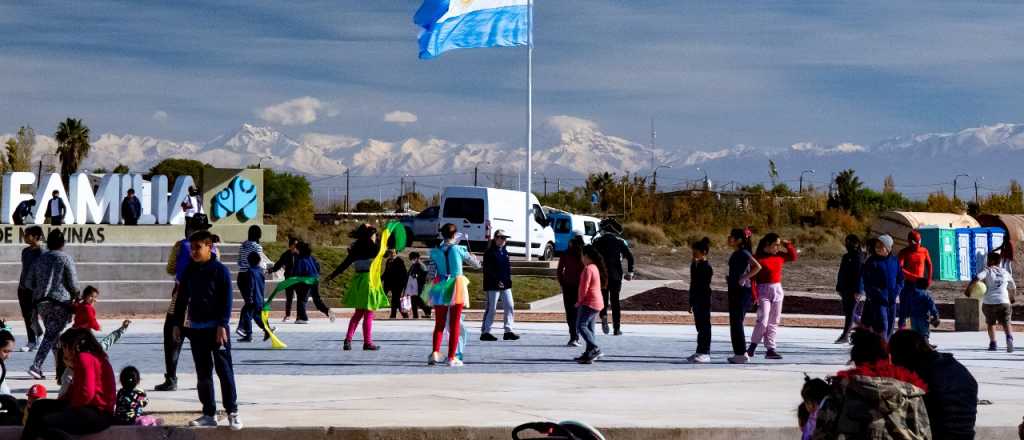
(771, 257)
(359, 294)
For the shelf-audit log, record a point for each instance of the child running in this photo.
(997, 305)
(742, 267)
(590, 302)
(769, 292)
(919, 308)
(700, 300)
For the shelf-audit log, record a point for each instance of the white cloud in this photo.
(160, 116)
(298, 111)
(401, 118)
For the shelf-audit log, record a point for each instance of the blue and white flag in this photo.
(459, 24)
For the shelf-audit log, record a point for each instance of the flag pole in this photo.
(529, 128)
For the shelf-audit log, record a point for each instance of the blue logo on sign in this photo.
(239, 198)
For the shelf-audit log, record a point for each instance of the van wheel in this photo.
(549, 252)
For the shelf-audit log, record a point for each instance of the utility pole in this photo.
(546, 186)
(802, 179)
(401, 193)
(958, 176)
(347, 207)
(558, 184)
(976, 193)
(476, 171)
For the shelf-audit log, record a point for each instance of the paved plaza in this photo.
(642, 380)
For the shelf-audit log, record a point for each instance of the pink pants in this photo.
(769, 314)
(367, 317)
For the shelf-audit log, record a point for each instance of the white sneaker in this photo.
(739, 359)
(331, 316)
(301, 321)
(204, 421)
(700, 359)
(235, 422)
(455, 363)
(36, 373)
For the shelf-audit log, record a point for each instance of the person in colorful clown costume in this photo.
(359, 294)
(450, 294)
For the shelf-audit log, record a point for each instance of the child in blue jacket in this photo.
(921, 310)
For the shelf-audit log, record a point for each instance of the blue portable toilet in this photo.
(996, 237)
(964, 254)
(980, 239)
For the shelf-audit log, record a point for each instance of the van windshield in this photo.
(469, 209)
(562, 226)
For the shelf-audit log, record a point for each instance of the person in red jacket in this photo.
(916, 264)
(85, 310)
(772, 257)
(88, 406)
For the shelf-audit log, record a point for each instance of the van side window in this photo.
(469, 209)
(562, 226)
(589, 228)
(539, 216)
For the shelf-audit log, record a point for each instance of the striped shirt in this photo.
(247, 248)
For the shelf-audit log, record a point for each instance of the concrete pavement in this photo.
(642, 382)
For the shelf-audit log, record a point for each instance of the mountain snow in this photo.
(566, 146)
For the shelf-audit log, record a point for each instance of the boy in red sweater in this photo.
(85, 311)
(916, 264)
(769, 291)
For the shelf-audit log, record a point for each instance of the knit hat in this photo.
(886, 240)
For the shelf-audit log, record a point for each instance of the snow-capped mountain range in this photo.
(567, 146)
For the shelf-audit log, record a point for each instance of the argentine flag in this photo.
(458, 24)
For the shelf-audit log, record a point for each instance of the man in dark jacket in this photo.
(131, 208)
(952, 396)
(55, 209)
(394, 279)
(498, 283)
(23, 213)
(33, 236)
(287, 262)
(202, 312)
(849, 283)
(613, 249)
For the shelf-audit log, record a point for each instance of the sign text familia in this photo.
(102, 205)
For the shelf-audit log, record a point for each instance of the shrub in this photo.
(646, 234)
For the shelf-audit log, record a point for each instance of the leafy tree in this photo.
(369, 205)
(601, 183)
(172, 168)
(99, 170)
(416, 201)
(121, 169)
(72, 138)
(19, 151)
(284, 191)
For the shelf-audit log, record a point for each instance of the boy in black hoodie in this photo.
(849, 283)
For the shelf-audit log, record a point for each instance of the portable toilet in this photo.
(996, 237)
(941, 245)
(979, 248)
(964, 254)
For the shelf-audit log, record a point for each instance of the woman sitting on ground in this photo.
(875, 399)
(952, 394)
(88, 407)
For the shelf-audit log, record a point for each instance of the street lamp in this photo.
(707, 183)
(802, 179)
(958, 176)
(259, 163)
(977, 200)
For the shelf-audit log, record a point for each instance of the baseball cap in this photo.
(37, 391)
(500, 233)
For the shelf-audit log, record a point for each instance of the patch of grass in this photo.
(525, 289)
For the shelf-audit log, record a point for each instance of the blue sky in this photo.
(711, 73)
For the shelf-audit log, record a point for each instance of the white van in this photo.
(479, 211)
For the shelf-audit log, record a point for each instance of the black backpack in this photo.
(568, 430)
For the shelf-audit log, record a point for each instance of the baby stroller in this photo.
(567, 430)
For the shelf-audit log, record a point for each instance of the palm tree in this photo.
(848, 187)
(72, 145)
(599, 183)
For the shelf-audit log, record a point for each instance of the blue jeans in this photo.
(492, 305)
(585, 327)
(208, 357)
(252, 308)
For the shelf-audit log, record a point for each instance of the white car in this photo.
(479, 211)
